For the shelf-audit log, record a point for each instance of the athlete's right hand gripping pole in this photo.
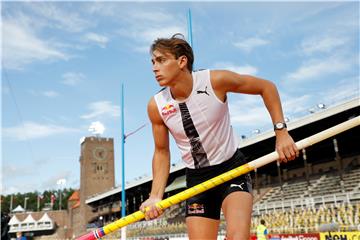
(213, 182)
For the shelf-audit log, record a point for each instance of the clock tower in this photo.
(96, 171)
(96, 166)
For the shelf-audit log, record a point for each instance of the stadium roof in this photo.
(311, 118)
(14, 220)
(305, 120)
(29, 219)
(18, 209)
(45, 218)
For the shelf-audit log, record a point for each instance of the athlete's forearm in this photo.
(161, 168)
(272, 102)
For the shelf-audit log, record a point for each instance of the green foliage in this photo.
(32, 200)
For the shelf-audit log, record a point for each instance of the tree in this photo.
(32, 199)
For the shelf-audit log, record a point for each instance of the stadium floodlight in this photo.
(321, 105)
(311, 110)
(256, 131)
(287, 119)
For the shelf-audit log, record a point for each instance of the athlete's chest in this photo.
(200, 111)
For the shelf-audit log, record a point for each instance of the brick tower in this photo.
(96, 172)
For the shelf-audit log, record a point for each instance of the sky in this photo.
(63, 65)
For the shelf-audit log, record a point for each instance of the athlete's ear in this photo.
(182, 60)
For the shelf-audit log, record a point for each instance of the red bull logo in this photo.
(195, 208)
(168, 109)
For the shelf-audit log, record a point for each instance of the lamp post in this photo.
(25, 201)
(61, 182)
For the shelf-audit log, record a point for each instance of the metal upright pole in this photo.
(190, 29)
(11, 202)
(123, 196)
(60, 198)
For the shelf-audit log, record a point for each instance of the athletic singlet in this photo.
(200, 124)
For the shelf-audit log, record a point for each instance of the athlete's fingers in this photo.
(281, 155)
(290, 154)
(295, 149)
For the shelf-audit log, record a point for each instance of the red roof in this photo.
(75, 196)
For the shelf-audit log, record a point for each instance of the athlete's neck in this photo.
(182, 87)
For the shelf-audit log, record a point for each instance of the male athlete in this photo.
(193, 107)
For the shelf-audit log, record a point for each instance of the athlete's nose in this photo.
(155, 68)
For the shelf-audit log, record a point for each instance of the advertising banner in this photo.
(340, 236)
(304, 236)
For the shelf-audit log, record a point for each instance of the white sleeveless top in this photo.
(200, 124)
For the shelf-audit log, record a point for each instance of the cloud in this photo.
(61, 17)
(295, 106)
(344, 90)
(15, 171)
(147, 16)
(248, 111)
(145, 36)
(72, 78)
(51, 182)
(247, 45)
(316, 68)
(50, 94)
(153, 33)
(22, 47)
(322, 44)
(31, 130)
(97, 38)
(143, 27)
(246, 69)
(19, 176)
(102, 109)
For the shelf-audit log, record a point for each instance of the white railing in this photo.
(308, 201)
(31, 227)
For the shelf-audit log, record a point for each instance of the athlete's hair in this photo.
(177, 46)
(262, 221)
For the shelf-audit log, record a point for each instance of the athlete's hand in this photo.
(285, 146)
(153, 211)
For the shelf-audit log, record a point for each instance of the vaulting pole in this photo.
(213, 182)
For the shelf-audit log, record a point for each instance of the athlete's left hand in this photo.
(285, 146)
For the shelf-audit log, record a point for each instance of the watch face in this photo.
(100, 153)
(280, 125)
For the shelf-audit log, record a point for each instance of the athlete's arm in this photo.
(226, 81)
(160, 162)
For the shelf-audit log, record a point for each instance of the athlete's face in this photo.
(165, 67)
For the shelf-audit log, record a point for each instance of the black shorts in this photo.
(208, 204)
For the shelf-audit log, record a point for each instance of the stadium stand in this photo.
(298, 197)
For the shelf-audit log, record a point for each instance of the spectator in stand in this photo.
(19, 236)
(261, 231)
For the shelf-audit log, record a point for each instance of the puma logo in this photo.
(200, 91)
(236, 185)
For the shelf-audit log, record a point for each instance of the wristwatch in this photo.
(279, 126)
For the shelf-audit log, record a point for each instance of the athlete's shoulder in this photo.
(153, 111)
